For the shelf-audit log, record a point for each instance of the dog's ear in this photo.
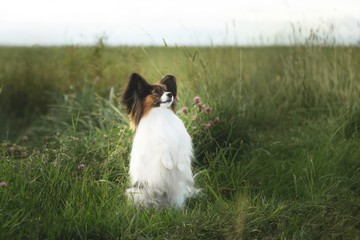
(136, 88)
(170, 82)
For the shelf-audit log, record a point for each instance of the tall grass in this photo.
(281, 162)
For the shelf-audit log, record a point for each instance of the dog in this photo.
(160, 163)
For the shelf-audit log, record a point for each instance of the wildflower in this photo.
(24, 154)
(81, 166)
(3, 184)
(217, 120)
(121, 132)
(207, 110)
(7, 144)
(12, 149)
(176, 98)
(194, 127)
(25, 138)
(208, 125)
(58, 134)
(193, 118)
(184, 110)
(196, 99)
(199, 106)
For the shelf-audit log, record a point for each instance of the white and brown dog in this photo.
(160, 164)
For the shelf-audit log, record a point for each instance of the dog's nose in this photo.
(169, 94)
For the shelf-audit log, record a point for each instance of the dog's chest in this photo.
(161, 123)
(161, 127)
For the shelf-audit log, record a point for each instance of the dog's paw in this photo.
(167, 163)
(181, 167)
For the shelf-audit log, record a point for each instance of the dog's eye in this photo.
(156, 92)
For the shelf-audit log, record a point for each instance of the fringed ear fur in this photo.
(136, 88)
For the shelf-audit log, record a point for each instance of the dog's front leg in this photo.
(165, 157)
(166, 160)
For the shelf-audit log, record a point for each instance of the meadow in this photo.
(276, 153)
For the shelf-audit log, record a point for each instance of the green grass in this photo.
(282, 163)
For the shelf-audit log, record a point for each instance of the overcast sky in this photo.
(185, 22)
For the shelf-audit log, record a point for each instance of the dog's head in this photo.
(140, 97)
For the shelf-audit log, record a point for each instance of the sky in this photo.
(185, 22)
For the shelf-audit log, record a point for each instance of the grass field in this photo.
(283, 162)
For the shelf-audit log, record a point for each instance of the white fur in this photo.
(161, 160)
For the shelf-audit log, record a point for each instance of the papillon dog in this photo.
(160, 163)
